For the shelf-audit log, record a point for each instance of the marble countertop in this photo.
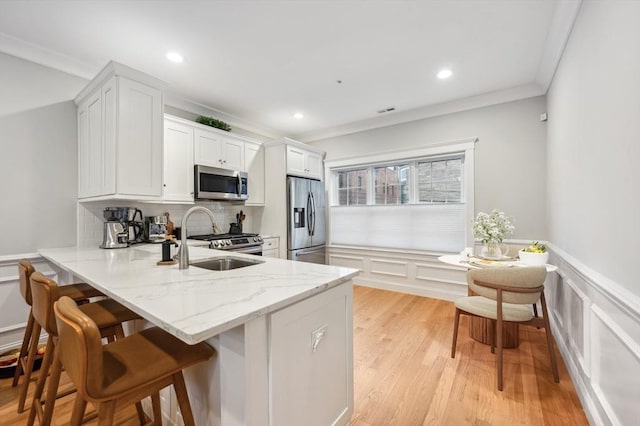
(195, 304)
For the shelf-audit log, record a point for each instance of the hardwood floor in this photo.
(404, 374)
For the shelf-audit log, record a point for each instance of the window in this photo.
(419, 199)
(391, 184)
(352, 187)
(440, 181)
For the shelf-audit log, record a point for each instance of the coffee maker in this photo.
(155, 229)
(116, 233)
(123, 227)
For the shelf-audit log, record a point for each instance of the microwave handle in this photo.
(239, 185)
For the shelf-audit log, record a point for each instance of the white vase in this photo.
(491, 250)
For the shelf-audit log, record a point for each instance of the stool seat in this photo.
(108, 313)
(79, 291)
(139, 359)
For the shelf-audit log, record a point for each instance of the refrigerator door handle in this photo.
(309, 214)
(313, 214)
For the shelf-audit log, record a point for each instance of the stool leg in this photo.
(157, 410)
(52, 388)
(23, 349)
(79, 406)
(33, 349)
(42, 378)
(183, 399)
(141, 417)
(456, 323)
(106, 411)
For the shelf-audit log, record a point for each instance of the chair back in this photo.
(25, 269)
(44, 293)
(525, 278)
(80, 347)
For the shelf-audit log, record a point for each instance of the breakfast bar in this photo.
(282, 330)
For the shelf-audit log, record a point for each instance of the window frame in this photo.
(464, 147)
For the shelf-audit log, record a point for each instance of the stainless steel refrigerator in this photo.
(306, 210)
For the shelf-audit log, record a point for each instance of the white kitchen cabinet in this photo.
(177, 180)
(271, 247)
(311, 360)
(120, 137)
(254, 166)
(303, 162)
(216, 150)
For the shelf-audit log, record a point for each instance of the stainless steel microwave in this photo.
(213, 183)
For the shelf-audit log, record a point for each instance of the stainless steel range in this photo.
(239, 243)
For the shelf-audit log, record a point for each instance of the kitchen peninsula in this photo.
(282, 330)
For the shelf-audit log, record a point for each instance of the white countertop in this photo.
(195, 304)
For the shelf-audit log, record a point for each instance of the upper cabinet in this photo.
(177, 179)
(303, 162)
(214, 149)
(187, 143)
(120, 135)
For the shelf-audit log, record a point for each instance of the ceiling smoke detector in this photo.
(382, 111)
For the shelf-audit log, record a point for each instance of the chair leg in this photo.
(183, 399)
(499, 337)
(36, 407)
(24, 349)
(550, 342)
(79, 406)
(28, 369)
(492, 330)
(456, 323)
(106, 412)
(535, 310)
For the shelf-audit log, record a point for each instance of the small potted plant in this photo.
(213, 122)
(491, 229)
(535, 254)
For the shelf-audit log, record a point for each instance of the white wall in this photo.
(510, 156)
(38, 146)
(593, 148)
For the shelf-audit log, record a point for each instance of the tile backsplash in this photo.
(91, 219)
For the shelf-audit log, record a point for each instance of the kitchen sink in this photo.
(225, 263)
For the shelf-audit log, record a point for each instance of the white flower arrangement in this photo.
(493, 227)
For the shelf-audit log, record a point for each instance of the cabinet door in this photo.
(140, 128)
(314, 165)
(312, 360)
(295, 161)
(271, 247)
(109, 137)
(208, 148)
(90, 147)
(254, 166)
(178, 162)
(232, 154)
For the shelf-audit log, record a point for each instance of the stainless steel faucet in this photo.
(183, 259)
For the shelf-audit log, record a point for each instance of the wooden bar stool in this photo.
(124, 371)
(108, 315)
(79, 292)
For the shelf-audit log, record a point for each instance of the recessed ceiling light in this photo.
(175, 57)
(298, 116)
(445, 73)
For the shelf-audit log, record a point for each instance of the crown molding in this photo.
(560, 29)
(48, 58)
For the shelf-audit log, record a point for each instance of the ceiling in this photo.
(256, 63)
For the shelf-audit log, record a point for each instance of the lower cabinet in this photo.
(271, 247)
(311, 360)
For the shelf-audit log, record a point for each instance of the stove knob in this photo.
(228, 242)
(259, 238)
(255, 239)
(215, 244)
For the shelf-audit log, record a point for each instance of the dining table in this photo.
(480, 329)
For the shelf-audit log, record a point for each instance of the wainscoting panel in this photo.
(413, 272)
(596, 324)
